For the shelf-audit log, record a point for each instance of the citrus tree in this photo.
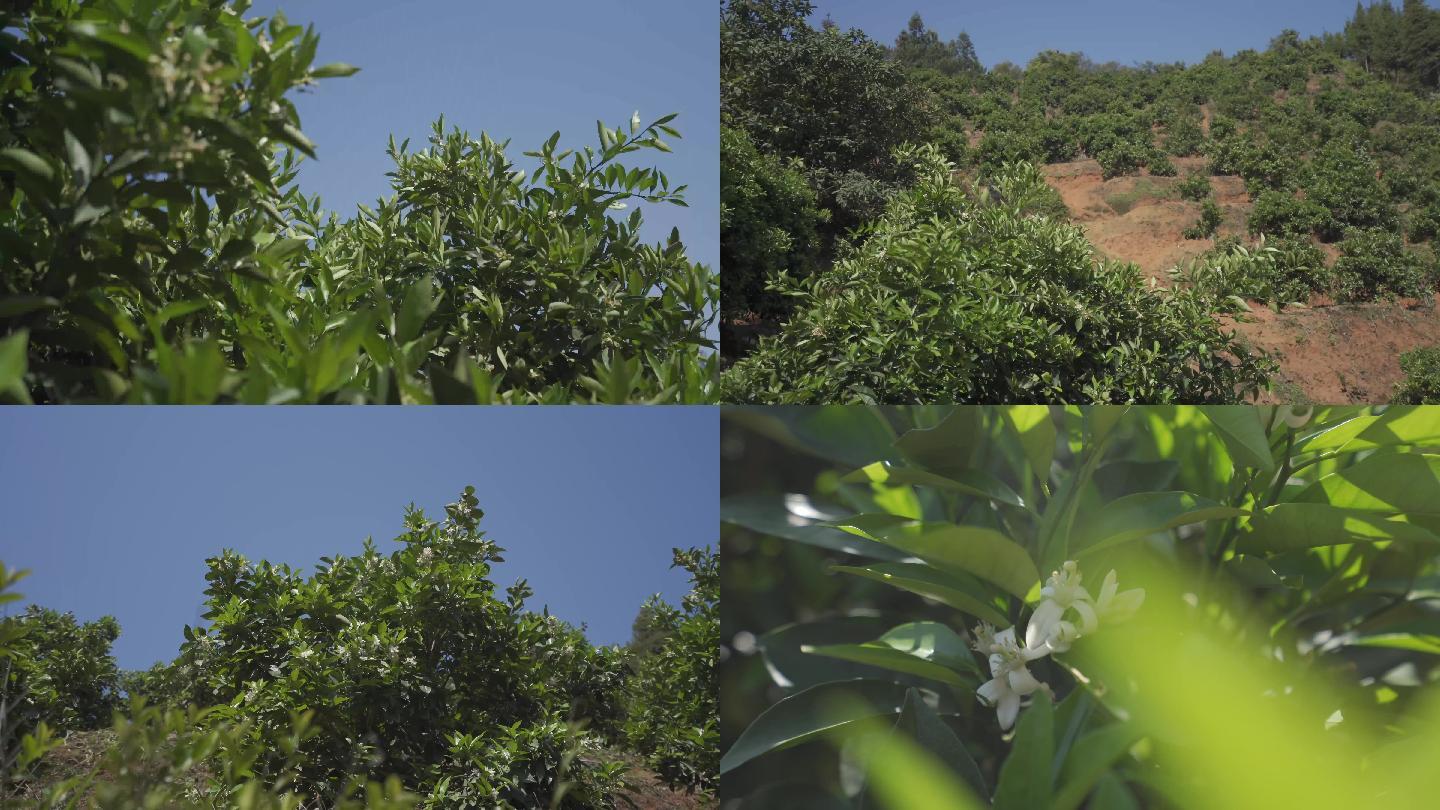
(672, 695)
(1034, 606)
(981, 294)
(154, 246)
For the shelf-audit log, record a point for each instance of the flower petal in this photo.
(1022, 682)
(1088, 620)
(991, 691)
(1107, 590)
(1006, 711)
(1124, 605)
(1042, 623)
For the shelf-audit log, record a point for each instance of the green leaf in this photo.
(419, 303)
(1112, 794)
(972, 482)
(961, 593)
(849, 435)
(1036, 431)
(1391, 482)
(923, 724)
(23, 304)
(334, 70)
(947, 447)
(813, 713)
(1239, 426)
(791, 668)
(27, 162)
(1397, 426)
(1102, 419)
(14, 361)
(1289, 526)
(1140, 515)
(1025, 779)
(291, 134)
(927, 649)
(986, 553)
(79, 159)
(795, 517)
(278, 249)
(1089, 759)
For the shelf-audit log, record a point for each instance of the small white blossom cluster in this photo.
(1066, 612)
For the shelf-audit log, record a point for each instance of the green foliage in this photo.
(1421, 384)
(672, 696)
(1195, 187)
(1209, 221)
(1283, 214)
(1160, 166)
(1424, 223)
(63, 671)
(1183, 137)
(1228, 533)
(177, 758)
(1344, 181)
(917, 47)
(782, 83)
(1120, 158)
(1374, 264)
(153, 247)
(412, 666)
(952, 297)
(1280, 272)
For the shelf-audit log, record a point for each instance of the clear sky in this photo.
(115, 509)
(1124, 31)
(518, 70)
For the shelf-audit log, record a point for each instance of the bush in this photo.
(672, 695)
(412, 666)
(1208, 223)
(1281, 213)
(1195, 187)
(1343, 180)
(1001, 147)
(768, 221)
(1183, 137)
(1421, 385)
(154, 249)
(1374, 264)
(1425, 222)
(62, 673)
(189, 759)
(1058, 143)
(947, 300)
(1122, 157)
(1277, 273)
(1160, 166)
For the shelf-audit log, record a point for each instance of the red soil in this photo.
(1328, 353)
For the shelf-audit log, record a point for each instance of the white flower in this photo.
(1011, 678)
(1062, 592)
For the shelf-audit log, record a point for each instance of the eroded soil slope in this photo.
(1328, 353)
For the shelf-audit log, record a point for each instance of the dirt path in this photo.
(1328, 353)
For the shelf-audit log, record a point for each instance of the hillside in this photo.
(1327, 149)
(1327, 351)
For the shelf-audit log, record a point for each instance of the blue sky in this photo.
(518, 70)
(1124, 31)
(115, 509)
